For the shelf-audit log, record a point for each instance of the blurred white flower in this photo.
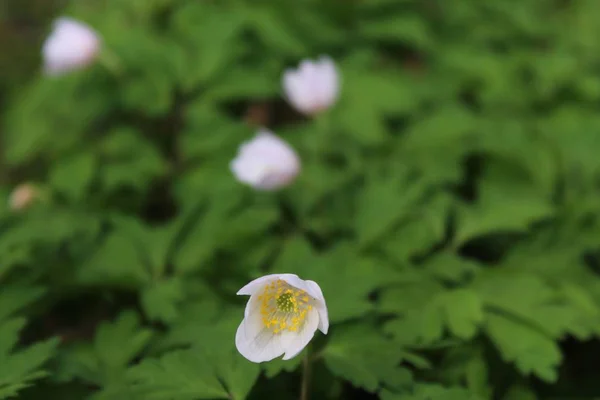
(313, 87)
(71, 45)
(266, 162)
(22, 196)
(281, 317)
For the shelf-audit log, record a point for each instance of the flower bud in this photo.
(22, 196)
(313, 87)
(266, 162)
(71, 45)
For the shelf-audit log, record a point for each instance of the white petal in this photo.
(321, 306)
(257, 284)
(257, 346)
(297, 92)
(251, 305)
(328, 87)
(303, 337)
(258, 343)
(249, 170)
(267, 144)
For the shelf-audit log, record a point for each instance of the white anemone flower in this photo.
(312, 87)
(71, 45)
(281, 317)
(266, 162)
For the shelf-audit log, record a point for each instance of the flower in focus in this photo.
(281, 317)
(70, 46)
(22, 196)
(313, 87)
(266, 162)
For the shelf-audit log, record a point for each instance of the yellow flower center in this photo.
(283, 307)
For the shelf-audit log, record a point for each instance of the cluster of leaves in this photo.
(448, 204)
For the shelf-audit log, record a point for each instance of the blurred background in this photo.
(447, 203)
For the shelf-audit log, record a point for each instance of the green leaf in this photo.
(576, 158)
(210, 35)
(451, 268)
(15, 297)
(530, 350)
(468, 363)
(426, 309)
(160, 300)
(119, 261)
(47, 104)
(500, 212)
(201, 240)
(366, 100)
(407, 28)
(432, 392)
(420, 231)
(73, 176)
(237, 374)
(19, 368)
(341, 267)
(520, 392)
(250, 81)
(104, 362)
(314, 22)
(128, 160)
(108, 343)
(517, 159)
(556, 310)
(365, 358)
(137, 92)
(463, 312)
(183, 374)
(384, 202)
(447, 129)
(275, 367)
(211, 368)
(266, 22)
(197, 373)
(204, 322)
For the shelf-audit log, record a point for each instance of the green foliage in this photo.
(447, 203)
(104, 361)
(366, 358)
(194, 374)
(20, 366)
(432, 392)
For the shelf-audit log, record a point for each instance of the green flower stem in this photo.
(322, 131)
(304, 389)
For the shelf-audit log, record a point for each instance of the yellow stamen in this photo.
(283, 307)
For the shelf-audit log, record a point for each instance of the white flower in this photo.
(281, 317)
(266, 162)
(71, 45)
(313, 87)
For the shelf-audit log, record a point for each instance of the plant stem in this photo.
(305, 377)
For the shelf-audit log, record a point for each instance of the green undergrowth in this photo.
(448, 205)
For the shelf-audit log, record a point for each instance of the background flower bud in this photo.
(71, 45)
(313, 86)
(266, 162)
(22, 196)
